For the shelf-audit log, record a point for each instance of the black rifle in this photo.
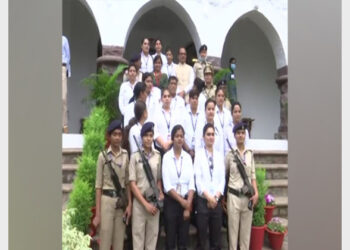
(122, 202)
(247, 188)
(152, 193)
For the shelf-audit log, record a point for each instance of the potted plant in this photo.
(276, 232)
(258, 223)
(270, 206)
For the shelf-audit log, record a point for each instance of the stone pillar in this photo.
(282, 83)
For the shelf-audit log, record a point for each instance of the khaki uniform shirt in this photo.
(209, 92)
(120, 163)
(198, 68)
(137, 172)
(235, 180)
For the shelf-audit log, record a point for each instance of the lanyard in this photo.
(177, 170)
(210, 163)
(146, 62)
(195, 125)
(223, 118)
(167, 122)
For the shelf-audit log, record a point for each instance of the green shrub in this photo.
(104, 90)
(71, 237)
(220, 75)
(259, 209)
(92, 143)
(87, 169)
(81, 199)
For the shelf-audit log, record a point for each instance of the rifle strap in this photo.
(241, 170)
(114, 175)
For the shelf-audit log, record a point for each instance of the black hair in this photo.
(168, 49)
(138, 89)
(163, 90)
(182, 48)
(132, 65)
(209, 101)
(218, 89)
(139, 109)
(172, 78)
(156, 58)
(231, 59)
(234, 104)
(193, 92)
(143, 39)
(175, 129)
(207, 126)
(199, 84)
(145, 75)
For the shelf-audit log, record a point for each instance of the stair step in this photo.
(70, 155)
(271, 156)
(68, 173)
(67, 187)
(275, 171)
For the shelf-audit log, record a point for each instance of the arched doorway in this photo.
(81, 29)
(166, 20)
(255, 44)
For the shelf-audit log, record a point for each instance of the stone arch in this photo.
(269, 31)
(81, 29)
(254, 42)
(154, 20)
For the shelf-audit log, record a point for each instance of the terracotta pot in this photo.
(275, 239)
(268, 213)
(257, 237)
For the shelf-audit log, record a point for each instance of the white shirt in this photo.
(170, 69)
(165, 121)
(177, 174)
(125, 93)
(129, 113)
(205, 180)
(164, 61)
(66, 54)
(177, 104)
(153, 103)
(146, 63)
(199, 140)
(135, 131)
(190, 124)
(201, 102)
(225, 119)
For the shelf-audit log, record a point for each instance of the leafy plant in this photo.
(259, 209)
(275, 225)
(220, 74)
(81, 200)
(71, 237)
(104, 90)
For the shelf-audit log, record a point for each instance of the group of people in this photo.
(190, 134)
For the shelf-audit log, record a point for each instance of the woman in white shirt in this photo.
(178, 181)
(210, 182)
(127, 89)
(222, 115)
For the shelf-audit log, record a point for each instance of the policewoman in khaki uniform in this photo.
(239, 215)
(145, 220)
(199, 65)
(109, 217)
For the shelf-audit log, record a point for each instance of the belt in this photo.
(236, 192)
(110, 192)
(64, 64)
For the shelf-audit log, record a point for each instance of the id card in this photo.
(178, 188)
(193, 142)
(232, 76)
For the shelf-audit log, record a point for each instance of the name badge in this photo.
(178, 188)
(232, 76)
(169, 137)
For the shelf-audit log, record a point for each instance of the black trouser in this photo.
(176, 228)
(212, 218)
